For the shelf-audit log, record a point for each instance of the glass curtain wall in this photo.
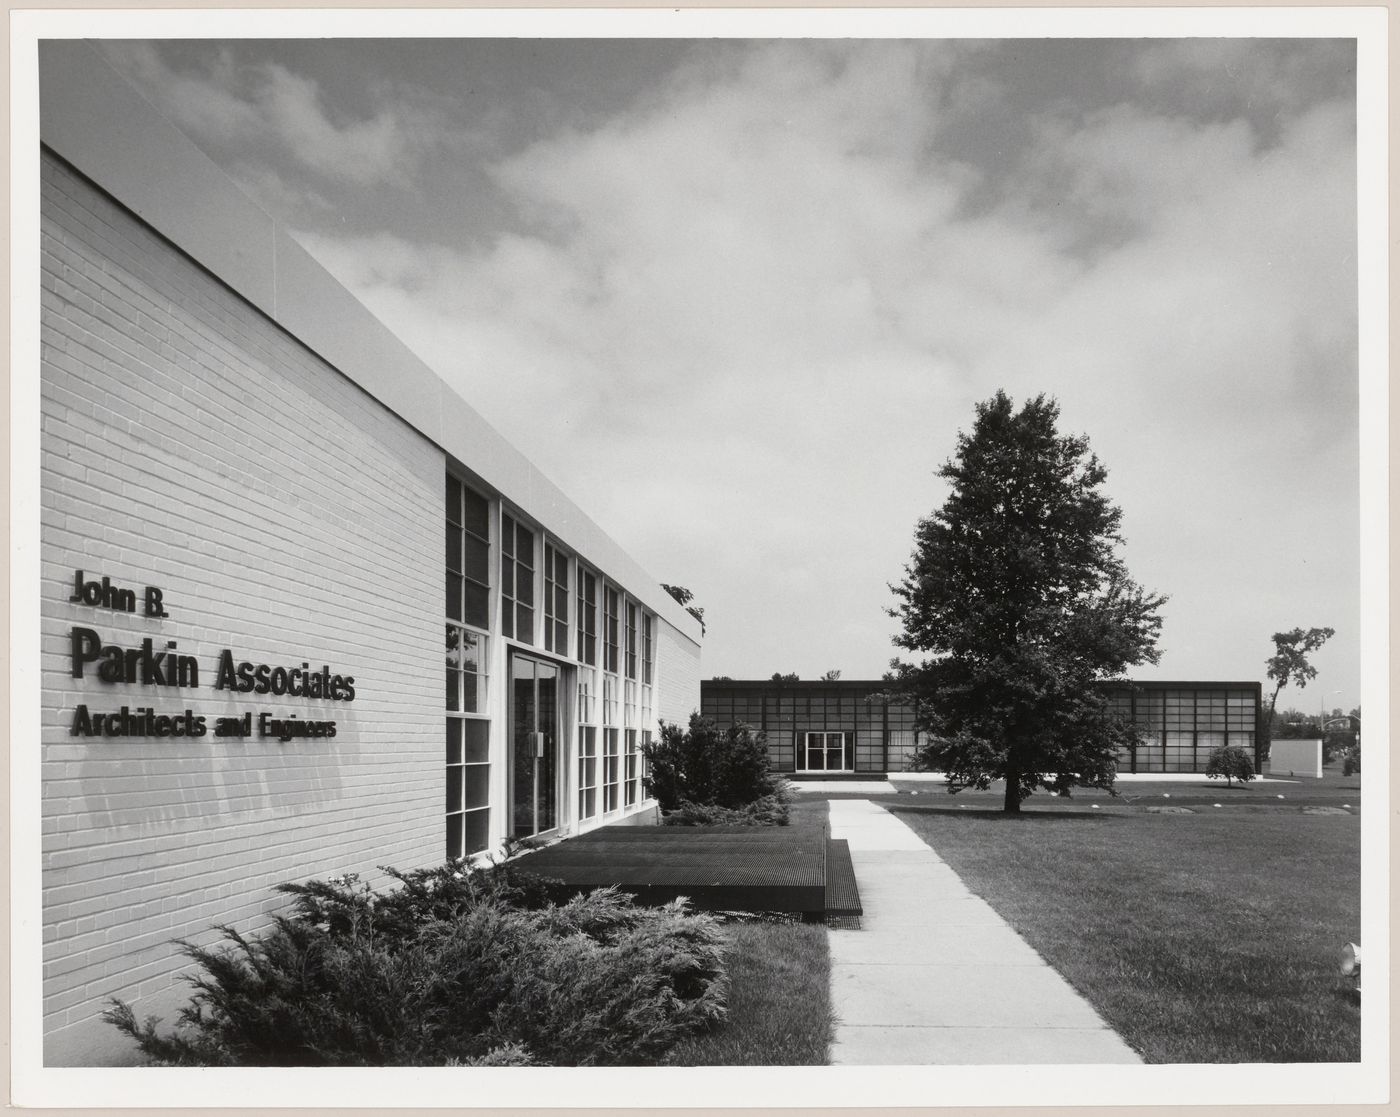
(612, 724)
(517, 580)
(588, 699)
(1181, 726)
(468, 731)
(593, 628)
(648, 704)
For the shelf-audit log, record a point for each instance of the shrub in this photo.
(511, 1055)
(709, 766)
(450, 967)
(622, 984)
(423, 896)
(1230, 762)
(771, 810)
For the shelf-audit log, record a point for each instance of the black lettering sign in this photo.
(247, 677)
(102, 594)
(154, 608)
(141, 722)
(142, 664)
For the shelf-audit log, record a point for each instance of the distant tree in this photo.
(1341, 734)
(780, 678)
(1016, 593)
(1291, 724)
(1289, 663)
(721, 679)
(1230, 762)
(831, 676)
(1354, 753)
(685, 597)
(1351, 752)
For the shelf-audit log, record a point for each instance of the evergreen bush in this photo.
(770, 810)
(448, 968)
(708, 766)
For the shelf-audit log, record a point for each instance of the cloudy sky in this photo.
(738, 296)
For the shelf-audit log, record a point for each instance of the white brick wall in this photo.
(677, 675)
(189, 444)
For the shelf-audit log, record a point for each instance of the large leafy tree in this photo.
(1019, 601)
(1289, 663)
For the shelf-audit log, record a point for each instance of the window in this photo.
(587, 617)
(587, 742)
(630, 612)
(648, 621)
(903, 737)
(610, 634)
(587, 696)
(1240, 715)
(609, 700)
(1207, 741)
(611, 771)
(632, 777)
(468, 784)
(556, 600)
(1180, 710)
(517, 580)
(825, 752)
(648, 709)
(468, 555)
(587, 771)
(1179, 752)
(1150, 706)
(1210, 709)
(467, 770)
(466, 670)
(632, 758)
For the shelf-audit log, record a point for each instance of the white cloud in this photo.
(237, 106)
(1243, 75)
(373, 150)
(743, 322)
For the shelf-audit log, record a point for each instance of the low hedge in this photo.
(451, 967)
(770, 810)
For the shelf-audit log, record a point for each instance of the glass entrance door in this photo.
(534, 729)
(826, 752)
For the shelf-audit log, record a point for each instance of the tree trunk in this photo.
(1273, 704)
(1012, 803)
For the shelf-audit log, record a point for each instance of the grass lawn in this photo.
(779, 1001)
(1207, 937)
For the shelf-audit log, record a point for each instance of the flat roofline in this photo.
(842, 684)
(878, 684)
(95, 120)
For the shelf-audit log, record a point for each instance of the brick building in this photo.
(303, 612)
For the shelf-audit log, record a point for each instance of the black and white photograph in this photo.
(766, 558)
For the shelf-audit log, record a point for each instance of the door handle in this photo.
(539, 744)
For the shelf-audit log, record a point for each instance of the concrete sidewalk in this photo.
(936, 976)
